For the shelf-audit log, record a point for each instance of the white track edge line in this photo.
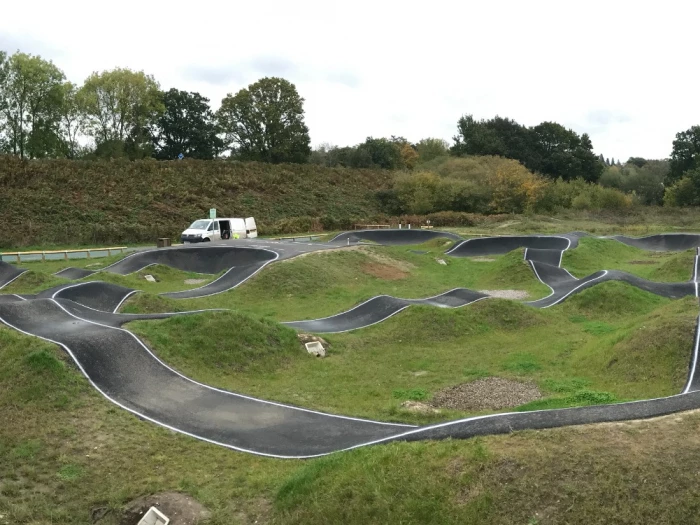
(14, 278)
(235, 394)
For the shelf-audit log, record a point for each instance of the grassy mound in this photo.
(31, 282)
(221, 343)
(567, 351)
(612, 299)
(593, 255)
(151, 303)
(325, 283)
(658, 349)
(43, 375)
(571, 476)
(68, 451)
(511, 271)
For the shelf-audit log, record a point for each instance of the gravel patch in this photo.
(194, 281)
(506, 294)
(490, 393)
(482, 259)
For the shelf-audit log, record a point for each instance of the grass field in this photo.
(65, 451)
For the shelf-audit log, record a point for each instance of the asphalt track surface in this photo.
(8, 273)
(82, 319)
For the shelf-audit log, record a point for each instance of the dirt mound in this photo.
(491, 393)
(180, 508)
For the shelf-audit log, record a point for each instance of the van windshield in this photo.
(199, 225)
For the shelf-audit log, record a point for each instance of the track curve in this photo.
(80, 318)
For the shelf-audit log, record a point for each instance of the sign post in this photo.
(212, 213)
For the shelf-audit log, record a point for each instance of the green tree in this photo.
(186, 126)
(383, 153)
(637, 161)
(71, 120)
(4, 128)
(431, 148)
(477, 138)
(120, 107)
(32, 93)
(685, 191)
(548, 148)
(686, 153)
(265, 122)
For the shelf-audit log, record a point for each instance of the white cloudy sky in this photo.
(626, 72)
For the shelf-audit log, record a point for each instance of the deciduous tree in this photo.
(265, 122)
(32, 93)
(186, 126)
(431, 148)
(120, 107)
(686, 153)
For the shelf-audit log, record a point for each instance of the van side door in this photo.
(216, 235)
(251, 230)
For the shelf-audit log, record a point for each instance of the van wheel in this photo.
(206, 240)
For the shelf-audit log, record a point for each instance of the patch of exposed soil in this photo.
(490, 393)
(404, 266)
(482, 259)
(180, 508)
(421, 408)
(642, 262)
(384, 271)
(194, 281)
(506, 294)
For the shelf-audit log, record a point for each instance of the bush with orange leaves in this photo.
(516, 189)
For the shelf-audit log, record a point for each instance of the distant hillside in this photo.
(86, 202)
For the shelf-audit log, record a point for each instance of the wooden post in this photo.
(19, 260)
(65, 255)
(43, 256)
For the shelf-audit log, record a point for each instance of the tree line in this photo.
(124, 113)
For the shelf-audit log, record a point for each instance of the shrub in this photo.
(685, 192)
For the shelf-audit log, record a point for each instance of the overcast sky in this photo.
(626, 72)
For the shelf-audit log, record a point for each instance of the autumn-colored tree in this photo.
(515, 189)
(409, 156)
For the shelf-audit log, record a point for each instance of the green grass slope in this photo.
(576, 355)
(326, 283)
(593, 255)
(66, 452)
(87, 202)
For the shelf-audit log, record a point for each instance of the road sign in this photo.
(212, 213)
(180, 156)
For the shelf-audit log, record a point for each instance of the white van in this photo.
(204, 230)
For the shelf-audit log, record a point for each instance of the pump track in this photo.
(83, 319)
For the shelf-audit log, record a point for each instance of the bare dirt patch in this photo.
(506, 294)
(384, 271)
(369, 252)
(491, 393)
(404, 266)
(194, 281)
(180, 508)
(421, 408)
(642, 262)
(482, 259)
